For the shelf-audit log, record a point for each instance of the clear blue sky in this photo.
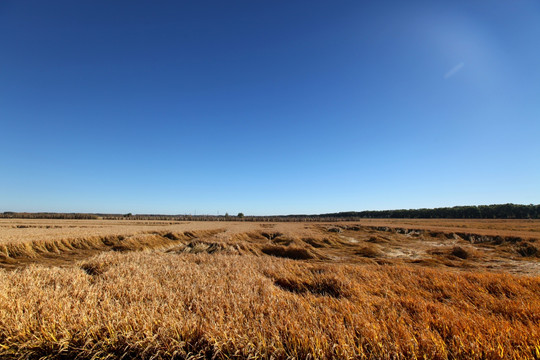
(268, 107)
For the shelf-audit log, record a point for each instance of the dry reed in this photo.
(157, 305)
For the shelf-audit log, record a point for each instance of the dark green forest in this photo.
(501, 211)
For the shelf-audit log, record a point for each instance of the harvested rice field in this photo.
(372, 289)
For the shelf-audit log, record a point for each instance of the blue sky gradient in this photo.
(268, 107)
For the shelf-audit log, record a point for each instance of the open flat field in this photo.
(373, 289)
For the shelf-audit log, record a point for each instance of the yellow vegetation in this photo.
(161, 305)
(270, 292)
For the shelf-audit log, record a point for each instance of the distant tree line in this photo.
(501, 211)
(43, 215)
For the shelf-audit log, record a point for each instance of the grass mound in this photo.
(369, 252)
(295, 253)
(528, 249)
(460, 252)
(199, 246)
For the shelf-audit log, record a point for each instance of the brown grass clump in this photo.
(271, 235)
(295, 253)
(460, 252)
(377, 239)
(369, 251)
(528, 249)
(199, 246)
(317, 243)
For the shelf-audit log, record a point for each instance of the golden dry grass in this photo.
(29, 230)
(501, 227)
(265, 290)
(155, 304)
